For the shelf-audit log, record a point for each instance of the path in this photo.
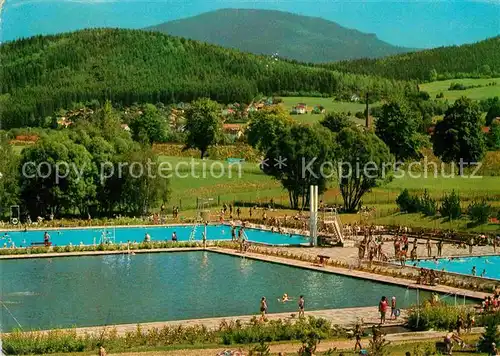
(292, 347)
(355, 273)
(344, 317)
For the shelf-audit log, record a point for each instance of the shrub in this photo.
(450, 207)
(491, 334)
(440, 95)
(408, 203)
(437, 317)
(428, 206)
(479, 212)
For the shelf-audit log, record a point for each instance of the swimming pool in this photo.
(464, 265)
(82, 291)
(63, 237)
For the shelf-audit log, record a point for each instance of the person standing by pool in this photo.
(238, 212)
(393, 307)
(440, 248)
(263, 309)
(147, 238)
(174, 236)
(301, 306)
(473, 272)
(471, 244)
(46, 238)
(429, 247)
(382, 308)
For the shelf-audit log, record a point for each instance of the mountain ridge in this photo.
(292, 36)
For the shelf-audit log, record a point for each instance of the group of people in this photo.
(284, 299)
(372, 248)
(427, 276)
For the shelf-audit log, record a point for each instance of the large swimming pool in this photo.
(158, 233)
(464, 265)
(81, 291)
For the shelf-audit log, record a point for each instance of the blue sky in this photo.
(411, 23)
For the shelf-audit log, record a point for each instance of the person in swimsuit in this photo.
(382, 308)
(301, 306)
(263, 308)
(450, 337)
(358, 333)
(174, 236)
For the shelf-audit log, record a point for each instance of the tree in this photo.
(56, 176)
(494, 136)
(266, 126)
(433, 75)
(203, 125)
(364, 161)
(491, 335)
(493, 111)
(143, 190)
(300, 157)
(398, 127)
(458, 137)
(336, 122)
(9, 190)
(150, 126)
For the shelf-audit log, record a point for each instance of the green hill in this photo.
(477, 59)
(44, 73)
(303, 38)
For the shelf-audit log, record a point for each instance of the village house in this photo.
(299, 109)
(234, 130)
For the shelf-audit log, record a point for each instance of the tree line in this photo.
(45, 73)
(481, 59)
(94, 168)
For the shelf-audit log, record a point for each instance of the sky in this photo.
(410, 23)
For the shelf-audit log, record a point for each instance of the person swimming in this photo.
(284, 298)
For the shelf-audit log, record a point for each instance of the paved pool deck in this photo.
(346, 317)
(274, 259)
(99, 253)
(354, 273)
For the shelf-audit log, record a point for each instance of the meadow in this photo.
(481, 93)
(328, 103)
(248, 186)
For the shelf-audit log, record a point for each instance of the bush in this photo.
(479, 212)
(408, 203)
(437, 317)
(491, 334)
(439, 95)
(450, 207)
(428, 206)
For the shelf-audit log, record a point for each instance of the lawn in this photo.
(484, 92)
(254, 187)
(328, 103)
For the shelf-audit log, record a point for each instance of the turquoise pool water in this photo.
(158, 233)
(67, 291)
(464, 265)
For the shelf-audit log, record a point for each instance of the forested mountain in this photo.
(303, 38)
(481, 58)
(44, 73)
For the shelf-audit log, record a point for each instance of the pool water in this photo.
(99, 290)
(158, 233)
(464, 265)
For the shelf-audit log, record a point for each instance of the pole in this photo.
(311, 214)
(418, 307)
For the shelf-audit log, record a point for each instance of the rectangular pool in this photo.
(464, 265)
(61, 237)
(46, 293)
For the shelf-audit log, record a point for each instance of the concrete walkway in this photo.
(346, 317)
(354, 273)
(99, 253)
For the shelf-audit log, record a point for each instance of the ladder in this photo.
(332, 217)
(193, 233)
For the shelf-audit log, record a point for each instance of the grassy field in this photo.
(484, 92)
(328, 103)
